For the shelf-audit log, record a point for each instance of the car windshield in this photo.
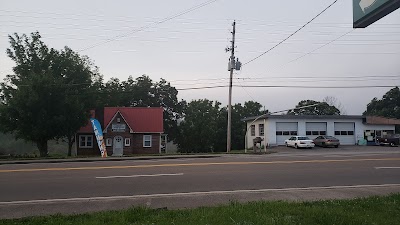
(303, 138)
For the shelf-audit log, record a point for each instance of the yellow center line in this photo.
(196, 164)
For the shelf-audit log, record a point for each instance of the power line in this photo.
(291, 34)
(148, 26)
(316, 49)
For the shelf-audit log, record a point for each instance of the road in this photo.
(76, 187)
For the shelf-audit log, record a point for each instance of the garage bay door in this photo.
(345, 133)
(285, 131)
(314, 129)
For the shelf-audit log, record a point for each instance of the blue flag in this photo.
(99, 137)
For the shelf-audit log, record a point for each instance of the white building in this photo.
(350, 130)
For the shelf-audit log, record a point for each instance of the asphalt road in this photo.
(76, 187)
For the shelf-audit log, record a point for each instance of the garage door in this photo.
(345, 133)
(314, 129)
(285, 131)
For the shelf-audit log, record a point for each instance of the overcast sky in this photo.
(189, 51)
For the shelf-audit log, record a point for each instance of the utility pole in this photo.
(231, 67)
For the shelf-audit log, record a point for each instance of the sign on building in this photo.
(366, 12)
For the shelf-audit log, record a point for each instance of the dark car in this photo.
(325, 141)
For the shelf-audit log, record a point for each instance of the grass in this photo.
(372, 210)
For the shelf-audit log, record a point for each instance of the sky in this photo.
(184, 41)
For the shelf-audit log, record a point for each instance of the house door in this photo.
(118, 148)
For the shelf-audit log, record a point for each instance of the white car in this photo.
(299, 142)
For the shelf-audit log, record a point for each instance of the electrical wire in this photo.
(291, 34)
(151, 25)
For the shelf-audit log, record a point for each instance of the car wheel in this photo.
(392, 144)
(295, 145)
(323, 144)
(336, 146)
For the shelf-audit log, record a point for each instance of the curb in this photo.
(32, 161)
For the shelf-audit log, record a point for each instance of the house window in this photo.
(146, 140)
(85, 141)
(253, 130)
(118, 120)
(108, 142)
(261, 129)
(127, 142)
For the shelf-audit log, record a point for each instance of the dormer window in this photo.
(118, 120)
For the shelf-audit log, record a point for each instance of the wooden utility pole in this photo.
(231, 68)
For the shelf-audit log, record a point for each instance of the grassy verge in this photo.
(372, 210)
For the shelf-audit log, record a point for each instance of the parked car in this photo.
(299, 142)
(325, 141)
(393, 140)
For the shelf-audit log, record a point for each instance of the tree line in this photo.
(51, 92)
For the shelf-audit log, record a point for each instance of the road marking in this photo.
(199, 193)
(143, 175)
(197, 164)
(378, 168)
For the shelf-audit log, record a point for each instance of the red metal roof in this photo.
(140, 119)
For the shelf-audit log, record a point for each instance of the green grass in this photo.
(372, 210)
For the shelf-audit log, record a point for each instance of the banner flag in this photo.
(99, 137)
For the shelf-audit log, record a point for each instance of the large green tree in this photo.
(46, 97)
(198, 129)
(319, 108)
(204, 127)
(388, 106)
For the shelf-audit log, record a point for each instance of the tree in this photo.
(321, 109)
(388, 106)
(45, 98)
(198, 129)
(333, 101)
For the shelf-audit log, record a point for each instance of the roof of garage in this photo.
(366, 119)
(304, 117)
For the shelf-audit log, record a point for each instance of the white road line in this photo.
(195, 194)
(142, 175)
(393, 167)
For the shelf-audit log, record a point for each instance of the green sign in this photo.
(366, 12)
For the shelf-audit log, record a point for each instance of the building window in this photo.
(344, 132)
(108, 142)
(118, 120)
(146, 140)
(253, 130)
(286, 133)
(261, 129)
(127, 142)
(85, 141)
(322, 132)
